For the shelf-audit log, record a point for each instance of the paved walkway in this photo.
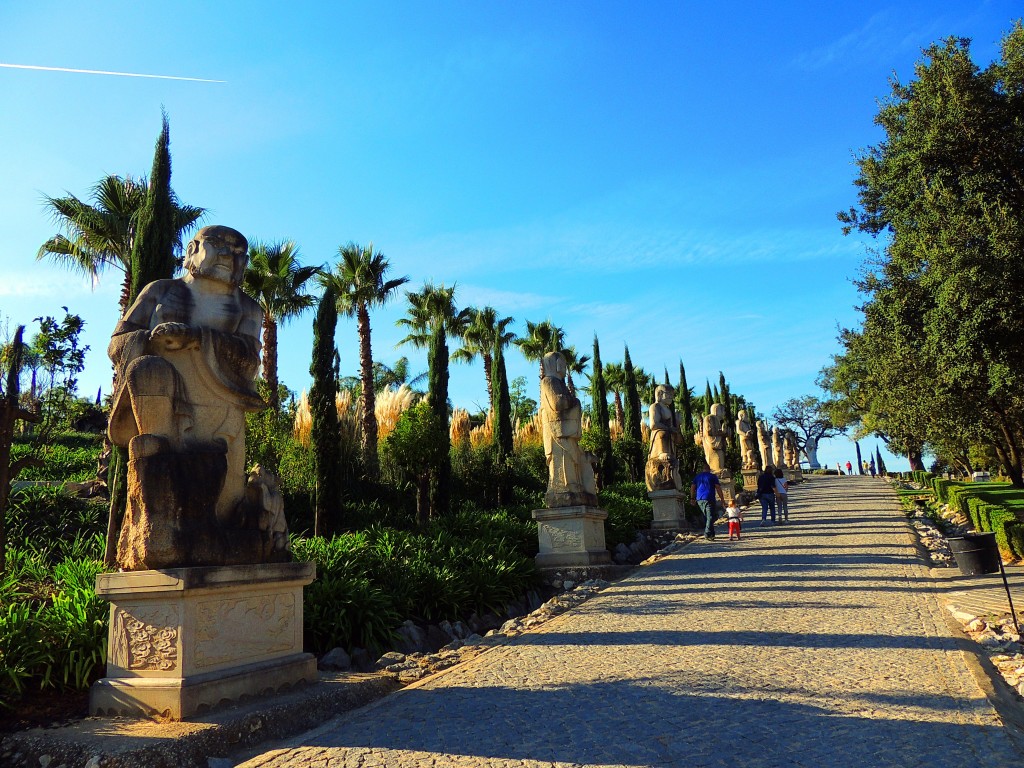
(815, 644)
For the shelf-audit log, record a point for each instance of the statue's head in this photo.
(218, 253)
(718, 410)
(554, 365)
(663, 394)
(742, 415)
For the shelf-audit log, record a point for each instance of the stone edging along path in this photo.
(994, 632)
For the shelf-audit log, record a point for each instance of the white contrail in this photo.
(103, 72)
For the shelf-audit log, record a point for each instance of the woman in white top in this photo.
(781, 496)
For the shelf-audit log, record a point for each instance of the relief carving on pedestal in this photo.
(246, 628)
(563, 540)
(146, 638)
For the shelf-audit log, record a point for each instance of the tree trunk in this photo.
(370, 463)
(270, 360)
(860, 460)
(488, 372)
(117, 487)
(126, 290)
(423, 500)
(914, 457)
(1011, 454)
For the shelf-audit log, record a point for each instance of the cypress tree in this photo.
(437, 385)
(324, 412)
(152, 258)
(683, 400)
(632, 426)
(599, 392)
(879, 463)
(152, 255)
(502, 420)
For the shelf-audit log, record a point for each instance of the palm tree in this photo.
(432, 318)
(480, 339)
(574, 363)
(540, 339)
(615, 380)
(101, 235)
(276, 280)
(395, 376)
(359, 278)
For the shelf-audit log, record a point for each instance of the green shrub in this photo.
(53, 628)
(627, 514)
(1015, 537)
(48, 520)
(67, 457)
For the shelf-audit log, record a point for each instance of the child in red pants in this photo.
(735, 517)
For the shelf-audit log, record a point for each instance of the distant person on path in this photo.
(702, 490)
(839, 468)
(871, 467)
(849, 468)
(766, 493)
(782, 495)
(735, 517)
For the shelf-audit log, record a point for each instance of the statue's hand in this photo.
(171, 337)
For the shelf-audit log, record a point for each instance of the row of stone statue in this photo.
(570, 472)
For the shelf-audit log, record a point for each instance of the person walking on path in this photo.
(849, 468)
(871, 467)
(782, 495)
(734, 515)
(766, 493)
(702, 490)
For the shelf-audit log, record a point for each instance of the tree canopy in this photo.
(939, 359)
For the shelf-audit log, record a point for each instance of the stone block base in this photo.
(728, 489)
(183, 640)
(177, 699)
(668, 510)
(750, 479)
(571, 536)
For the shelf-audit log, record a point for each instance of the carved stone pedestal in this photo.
(728, 489)
(184, 640)
(668, 510)
(571, 536)
(750, 479)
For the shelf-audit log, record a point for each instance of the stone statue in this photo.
(748, 442)
(662, 462)
(811, 452)
(264, 502)
(764, 441)
(186, 355)
(777, 450)
(792, 453)
(712, 436)
(570, 476)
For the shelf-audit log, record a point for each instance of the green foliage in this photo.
(157, 233)
(601, 441)
(633, 450)
(373, 578)
(629, 510)
(939, 358)
(53, 629)
(523, 406)
(324, 414)
(66, 457)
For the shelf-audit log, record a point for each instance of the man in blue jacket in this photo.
(702, 490)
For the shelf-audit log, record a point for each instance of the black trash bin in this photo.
(976, 553)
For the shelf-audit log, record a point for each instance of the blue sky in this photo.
(665, 175)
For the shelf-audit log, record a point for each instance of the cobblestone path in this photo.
(816, 644)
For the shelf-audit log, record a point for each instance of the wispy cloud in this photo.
(509, 302)
(879, 35)
(105, 72)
